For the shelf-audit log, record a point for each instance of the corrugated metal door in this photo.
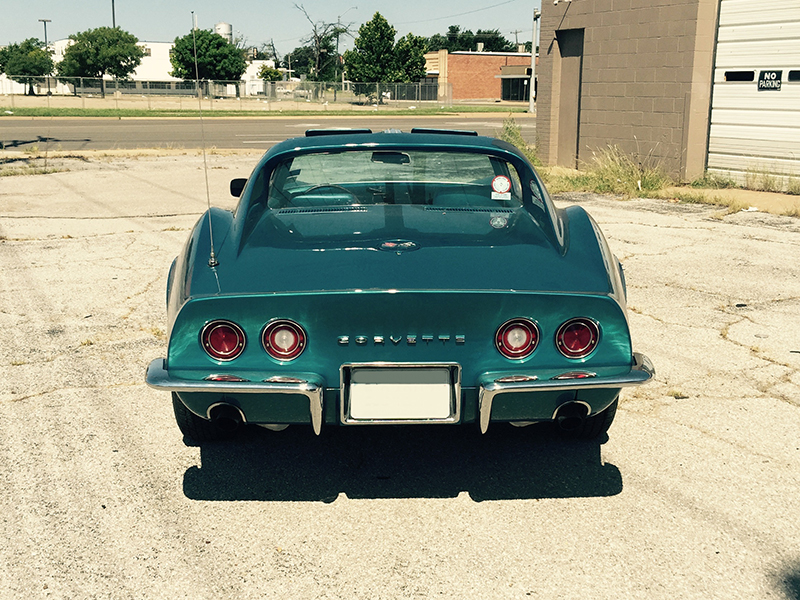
(755, 114)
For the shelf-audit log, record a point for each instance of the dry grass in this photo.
(761, 181)
(512, 134)
(611, 171)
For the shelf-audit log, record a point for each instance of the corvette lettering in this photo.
(396, 340)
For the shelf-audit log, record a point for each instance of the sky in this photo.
(260, 21)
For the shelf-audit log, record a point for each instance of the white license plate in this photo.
(400, 394)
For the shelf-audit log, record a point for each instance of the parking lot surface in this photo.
(693, 494)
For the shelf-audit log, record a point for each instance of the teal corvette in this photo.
(395, 278)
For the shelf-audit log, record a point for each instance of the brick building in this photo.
(480, 75)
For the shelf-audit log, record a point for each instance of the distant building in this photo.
(156, 65)
(481, 75)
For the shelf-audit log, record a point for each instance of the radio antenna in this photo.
(212, 258)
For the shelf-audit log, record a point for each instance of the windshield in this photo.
(419, 177)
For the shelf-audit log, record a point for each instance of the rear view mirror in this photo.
(237, 185)
(392, 158)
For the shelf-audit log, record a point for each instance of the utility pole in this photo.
(46, 49)
(113, 15)
(336, 65)
(532, 91)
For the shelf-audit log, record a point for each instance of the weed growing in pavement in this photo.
(10, 172)
(793, 186)
(156, 332)
(762, 181)
(512, 134)
(612, 171)
(714, 181)
(792, 212)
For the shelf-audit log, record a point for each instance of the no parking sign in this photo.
(769, 80)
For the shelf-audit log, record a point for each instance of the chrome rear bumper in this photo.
(312, 387)
(641, 372)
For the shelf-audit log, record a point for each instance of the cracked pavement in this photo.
(692, 495)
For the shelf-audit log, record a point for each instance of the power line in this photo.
(469, 12)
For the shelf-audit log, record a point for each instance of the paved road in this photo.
(693, 495)
(107, 134)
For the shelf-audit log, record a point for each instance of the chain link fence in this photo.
(87, 92)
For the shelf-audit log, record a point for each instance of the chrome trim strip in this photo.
(455, 399)
(312, 388)
(641, 372)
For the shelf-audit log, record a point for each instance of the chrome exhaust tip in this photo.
(570, 416)
(226, 417)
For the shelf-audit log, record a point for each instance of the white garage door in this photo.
(755, 114)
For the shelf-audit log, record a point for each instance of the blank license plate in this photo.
(397, 394)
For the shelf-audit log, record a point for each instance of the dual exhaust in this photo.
(569, 417)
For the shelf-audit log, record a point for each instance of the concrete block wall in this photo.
(645, 79)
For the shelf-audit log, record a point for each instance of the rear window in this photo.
(359, 177)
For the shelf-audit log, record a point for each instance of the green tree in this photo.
(99, 52)
(409, 53)
(372, 58)
(4, 55)
(493, 41)
(217, 59)
(375, 58)
(456, 40)
(300, 61)
(26, 62)
(267, 73)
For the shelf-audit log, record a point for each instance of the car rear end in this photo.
(400, 356)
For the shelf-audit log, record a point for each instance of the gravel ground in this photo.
(692, 495)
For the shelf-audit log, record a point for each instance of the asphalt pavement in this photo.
(693, 493)
(72, 134)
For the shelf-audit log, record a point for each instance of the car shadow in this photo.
(789, 582)
(507, 463)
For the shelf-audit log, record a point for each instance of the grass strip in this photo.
(7, 111)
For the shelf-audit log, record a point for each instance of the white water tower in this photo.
(225, 30)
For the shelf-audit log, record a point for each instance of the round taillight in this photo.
(284, 340)
(223, 340)
(517, 338)
(577, 338)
